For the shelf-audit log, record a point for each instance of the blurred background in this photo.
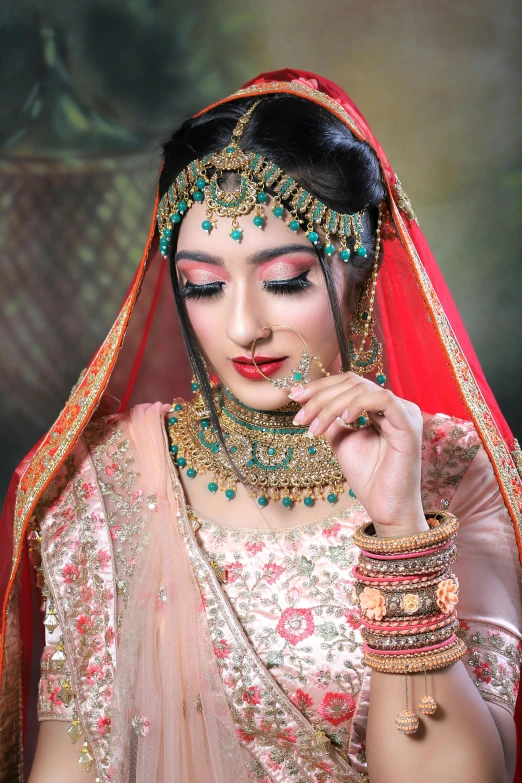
(88, 89)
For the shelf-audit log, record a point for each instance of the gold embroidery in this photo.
(403, 202)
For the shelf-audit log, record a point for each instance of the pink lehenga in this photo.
(162, 671)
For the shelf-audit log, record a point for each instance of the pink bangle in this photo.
(408, 555)
(414, 626)
(413, 578)
(445, 643)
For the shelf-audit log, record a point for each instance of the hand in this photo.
(381, 463)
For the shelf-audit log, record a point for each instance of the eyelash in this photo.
(280, 287)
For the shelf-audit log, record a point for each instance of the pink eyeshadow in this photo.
(200, 273)
(284, 269)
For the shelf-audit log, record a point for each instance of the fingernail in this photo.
(299, 416)
(296, 392)
(314, 426)
(345, 416)
(309, 434)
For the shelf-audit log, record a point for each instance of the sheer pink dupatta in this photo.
(165, 659)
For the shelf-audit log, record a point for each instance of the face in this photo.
(232, 290)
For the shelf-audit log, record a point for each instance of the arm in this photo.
(57, 758)
(478, 735)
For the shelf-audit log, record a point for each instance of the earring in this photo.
(301, 375)
(364, 348)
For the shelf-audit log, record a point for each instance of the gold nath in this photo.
(276, 458)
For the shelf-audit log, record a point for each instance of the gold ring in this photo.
(360, 423)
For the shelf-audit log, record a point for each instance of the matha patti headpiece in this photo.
(200, 181)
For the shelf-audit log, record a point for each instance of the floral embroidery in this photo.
(494, 661)
(448, 447)
(295, 625)
(337, 707)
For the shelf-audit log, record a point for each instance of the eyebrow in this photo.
(260, 257)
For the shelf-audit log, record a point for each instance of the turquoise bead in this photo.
(308, 501)
(311, 449)
(214, 448)
(287, 502)
(250, 463)
(365, 316)
(279, 212)
(381, 379)
(233, 449)
(194, 386)
(298, 376)
(332, 497)
(212, 486)
(182, 206)
(178, 406)
(230, 494)
(351, 493)
(230, 150)
(205, 423)
(361, 251)
(270, 451)
(258, 221)
(329, 250)
(173, 420)
(182, 462)
(262, 500)
(191, 472)
(262, 198)
(236, 234)
(167, 233)
(174, 449)
(362, 420)
(175, 217)
(293, 225)
(313, 236)
(206, 225)
(200, 183)
(198, 195)
(345, 254)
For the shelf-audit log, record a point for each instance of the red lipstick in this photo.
(267, 364)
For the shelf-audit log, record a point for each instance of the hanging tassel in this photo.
(51, 621)
(86, 758)
(427, 704)
(220, 572)
(322, 742)
(406, 721)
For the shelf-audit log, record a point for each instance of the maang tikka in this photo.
(200, 182)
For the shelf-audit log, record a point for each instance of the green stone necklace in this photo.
(277, 459)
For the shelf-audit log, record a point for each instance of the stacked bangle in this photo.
(406, 594)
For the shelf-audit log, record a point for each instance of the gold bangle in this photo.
(412, 566)
(407, 664)
(443, 527)
(411, 640)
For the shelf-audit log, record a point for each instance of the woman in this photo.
(218, 604)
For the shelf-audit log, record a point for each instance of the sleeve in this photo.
(489, 574)
(458, 476)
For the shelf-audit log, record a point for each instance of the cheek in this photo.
(208, 324)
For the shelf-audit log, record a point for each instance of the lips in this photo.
(267, 364)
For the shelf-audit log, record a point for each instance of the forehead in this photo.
(218, 243)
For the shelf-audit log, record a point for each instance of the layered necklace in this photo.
(276, 458)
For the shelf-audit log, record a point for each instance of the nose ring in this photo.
(299, 376)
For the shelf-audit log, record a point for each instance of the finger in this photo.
(303, 393)
(355, 402)
(384, 408)
(312, 406)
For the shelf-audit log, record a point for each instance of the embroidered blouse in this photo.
(289, 591)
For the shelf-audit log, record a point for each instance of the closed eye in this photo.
(193, 291)
(291, 286)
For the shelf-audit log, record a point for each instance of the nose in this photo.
(246, 320)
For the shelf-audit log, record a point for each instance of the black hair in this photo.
(312, 145)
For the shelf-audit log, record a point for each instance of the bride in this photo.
(308, 569)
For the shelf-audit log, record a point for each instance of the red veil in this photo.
(428, 358)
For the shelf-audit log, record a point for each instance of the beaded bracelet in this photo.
(396, 565)
(443, 527)
(406, 578)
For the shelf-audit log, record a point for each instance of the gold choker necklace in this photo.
(277, 459)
